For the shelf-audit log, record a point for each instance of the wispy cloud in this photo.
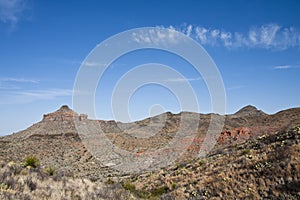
(27, 96)
(157, 36)
(282, 67)
(179, 80)
(18, 80)
(12, 10)
(267, 36)
(46, 94)
(8, 87)
(11, 83)
(93, 64)
(237, 87)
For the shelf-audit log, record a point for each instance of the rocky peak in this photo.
(63, 114)
(64, 108)
(249, 110)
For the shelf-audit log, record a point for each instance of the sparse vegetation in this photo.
(110, 181)
(160, 190)
(246, 151)
(36, 185)
(201, 162)
(3, 186)
(174, 185)
(263, 166)
(50, 171)
(265, 171)
(31, 161)
(129, 186)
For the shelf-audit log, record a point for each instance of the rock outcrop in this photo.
(249, 111)
(237, 134)
(64, 114)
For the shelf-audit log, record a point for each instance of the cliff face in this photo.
(63, 114)
(237, 134)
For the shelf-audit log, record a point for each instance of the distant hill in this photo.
(56, 142)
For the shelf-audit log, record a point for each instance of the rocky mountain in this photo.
(249, 111)
(57, 144)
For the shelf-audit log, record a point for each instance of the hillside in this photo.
(252, 146)
(266, 167)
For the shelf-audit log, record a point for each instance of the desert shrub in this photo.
(110, 181)
(174, 185)
(50, 171)
(246, 151)
(127, 185)
(14, 168)
(31, 161)
(201, 162)
(3, 186)
(159, 191)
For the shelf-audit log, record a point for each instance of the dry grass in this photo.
(267, 167)
(18, 182)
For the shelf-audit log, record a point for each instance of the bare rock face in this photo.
(249, 111)
(63, 114)
(60, 122)
(241, 133)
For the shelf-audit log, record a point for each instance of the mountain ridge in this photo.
(65, 113)
(245, 123)
(57, 144)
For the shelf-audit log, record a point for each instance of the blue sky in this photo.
(255, 44)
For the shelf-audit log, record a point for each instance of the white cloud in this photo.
(189, 29)
(27, 96)
(253, 37)
(156, 36)
(215, 33)
(183, 79)
(226, 38)
(93, 64)
(8, 87)
(201, 34)
(282, 67)
(11, 10)
(267, 36)
(46, 94)
(237, 87)
(19, 80)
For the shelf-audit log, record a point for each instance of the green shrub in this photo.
(31, 161)
(110, 181)
(159, 191)
(201, 162)
(3, 186)
(50, 171)
(129, 186)
(246, 151)
(174, 185)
